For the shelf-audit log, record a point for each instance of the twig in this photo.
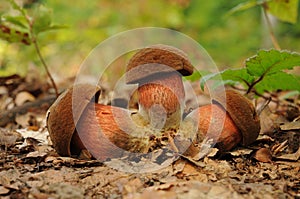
(259, 111)
(34, 41)
(269, 24)
(45, 66)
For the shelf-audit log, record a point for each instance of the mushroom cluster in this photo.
(77, 123)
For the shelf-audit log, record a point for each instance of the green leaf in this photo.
(17, 7)
(265, 71)
(272, 61)
(12, 34)
(229, 76)
(18, 20)
(15, 29)
(42, 19)
(196, 75)
(285, 10)
(278, 81)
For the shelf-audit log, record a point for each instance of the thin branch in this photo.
(269, 24)
(45, 66)
(34, 41)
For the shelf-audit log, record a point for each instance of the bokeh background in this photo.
(228, 39)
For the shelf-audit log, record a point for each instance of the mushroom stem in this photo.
(161, 100)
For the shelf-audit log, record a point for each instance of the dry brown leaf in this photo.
(263, 155)
(23, 97)
(294, 156)
(3, 190)
(290, 126)
(240, 152)
(269, 121)
(8, 137)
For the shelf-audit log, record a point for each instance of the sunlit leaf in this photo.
(229, 76)
(196, 75)
(265, 71)
(272, 61)
(278, 81)
(42, 19)
(18, 20)
(285, 10)
(11, 34)
(17, 7)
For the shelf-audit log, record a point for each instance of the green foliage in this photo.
(284, 10)
(266, 71)
(24, 28)
(229, 41)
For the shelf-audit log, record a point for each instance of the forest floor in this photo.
(30, 167)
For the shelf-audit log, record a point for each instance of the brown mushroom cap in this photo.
(157, 55)
(65, 112)
(243, 114)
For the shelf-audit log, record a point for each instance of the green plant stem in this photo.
(269, 24)
(34, 41)
(45, 66)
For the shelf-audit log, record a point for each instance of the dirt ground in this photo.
(30, 167)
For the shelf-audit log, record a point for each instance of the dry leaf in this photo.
(263, 155)
(23, 97)
(290, 126)
(240, 152)
(294, 156)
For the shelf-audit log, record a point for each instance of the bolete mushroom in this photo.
(77, 122)
(158, 71)
(229, 121)
(62, 118)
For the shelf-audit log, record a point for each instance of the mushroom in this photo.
(229, 121)
(158, 71)
(62, 117)
(76, 122)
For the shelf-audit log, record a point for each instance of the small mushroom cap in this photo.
(65, 112)
(243, 114)
(151, 60)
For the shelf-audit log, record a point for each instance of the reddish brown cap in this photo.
(243, 114)
(65, 112)
(156, 56)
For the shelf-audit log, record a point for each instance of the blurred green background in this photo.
(228, 40)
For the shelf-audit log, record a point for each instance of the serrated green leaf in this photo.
(272, 61)
(278, 81)
(285, 10)
(229, 76)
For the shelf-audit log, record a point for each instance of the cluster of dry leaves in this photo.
(30, 168)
